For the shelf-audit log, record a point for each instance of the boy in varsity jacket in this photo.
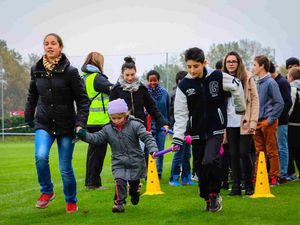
(201, 101)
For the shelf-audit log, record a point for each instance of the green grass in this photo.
(19, 191)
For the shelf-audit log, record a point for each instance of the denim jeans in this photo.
(181, 159)
(43, 143)
(282, 142)
(160, 138)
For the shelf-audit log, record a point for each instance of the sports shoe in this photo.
(225, 185)
(95, 188)
(71, 207)
(235, 192)
(175, 183)
(188, 181)
(274, 181)
(207, 206)
(194, 177)
(135, 199)
(215, 202)
(44, 200)
(118, 209)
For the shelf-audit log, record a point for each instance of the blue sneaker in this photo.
(174, 181)
(188, 181)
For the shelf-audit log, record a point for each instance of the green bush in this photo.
(16, 121)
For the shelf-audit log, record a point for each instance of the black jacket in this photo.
(136, 102)
(50, 101)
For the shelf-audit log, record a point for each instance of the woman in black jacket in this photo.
(136, 95)
(54, 87)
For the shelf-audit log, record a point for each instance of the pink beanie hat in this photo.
(117, 106)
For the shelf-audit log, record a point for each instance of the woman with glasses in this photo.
(240, 129)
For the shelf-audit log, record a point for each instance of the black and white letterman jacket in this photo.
(202, 103)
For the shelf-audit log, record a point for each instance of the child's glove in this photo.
(81, 134)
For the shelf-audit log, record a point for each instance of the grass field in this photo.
(19, 191)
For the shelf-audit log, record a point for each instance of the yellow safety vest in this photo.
(98, 108)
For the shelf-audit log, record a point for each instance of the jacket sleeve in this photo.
(293, 97)
(81, 99)
(113, 94)
(146, 137)
(153, 110)
(102, 84)
(97, 138)
(234, 86)
(254, 104)
(278, 104)
(285, 91)
(181, 115)
(32, 100)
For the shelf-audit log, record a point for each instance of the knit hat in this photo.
(291, 61)
(117, 106)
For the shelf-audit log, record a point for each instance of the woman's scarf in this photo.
(156, 92)
(50, 64)
(134, 86)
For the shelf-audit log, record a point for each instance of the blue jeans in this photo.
(282, 142)
(160, 138)
(43, 143)
(181, 159)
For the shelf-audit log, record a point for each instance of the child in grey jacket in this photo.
(128, 161)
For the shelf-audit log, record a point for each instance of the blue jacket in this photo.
(270, 101)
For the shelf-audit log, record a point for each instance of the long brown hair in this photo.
(241, 72)
(95, 59)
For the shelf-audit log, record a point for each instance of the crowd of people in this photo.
(230, 113)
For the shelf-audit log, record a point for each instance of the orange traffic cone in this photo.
(153, 185)
(262, 186)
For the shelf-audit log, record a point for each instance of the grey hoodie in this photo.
(270, 101)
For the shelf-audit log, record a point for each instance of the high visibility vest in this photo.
(98, 108)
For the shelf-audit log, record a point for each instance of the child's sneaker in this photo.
(71, 207)
(135, 199)
(118, 208)
(215, 202)
(44, 200)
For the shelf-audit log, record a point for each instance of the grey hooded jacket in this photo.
(128, 160)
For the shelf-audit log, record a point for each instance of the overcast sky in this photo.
(131, 27)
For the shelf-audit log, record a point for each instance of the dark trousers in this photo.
(209, 168)
(225, 164)
(121, 190)
(294, 149)
(240, 153)
(94, 162)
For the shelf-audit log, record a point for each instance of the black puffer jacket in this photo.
(137, 101)
(50, 101)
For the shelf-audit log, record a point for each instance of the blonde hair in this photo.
(96, 59)
(294, 73)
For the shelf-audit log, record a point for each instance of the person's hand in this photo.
(153, 155)
(166, 129)
(251, 130)
(176, 147)
(81, 133)
(78, 128)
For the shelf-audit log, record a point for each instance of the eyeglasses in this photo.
(232, 62)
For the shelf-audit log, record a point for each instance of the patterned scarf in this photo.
(134, 86)
(156, 92)
(50, 64)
